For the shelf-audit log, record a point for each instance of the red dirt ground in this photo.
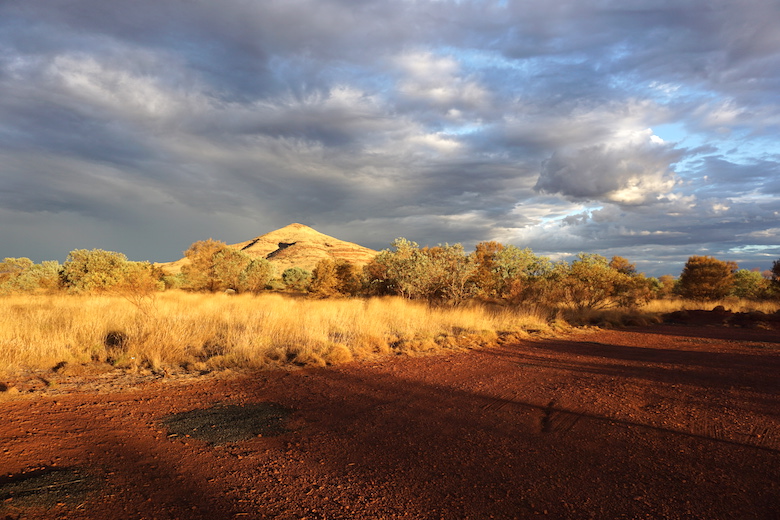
(659, 422)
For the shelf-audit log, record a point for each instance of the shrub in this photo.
(22, 275)
(200, 273)
(110, 272)
(451, 276)
(406, 271)
(522, 276)
(667, 286)
(751, 285)
(296, 278)
(95, 270)
(488, 278)
(591, 282)
(215, 266)
(324, 281)
(335, 278)
(257, 275)
(441, 274)
(621, 265)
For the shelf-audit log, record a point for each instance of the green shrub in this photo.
(22, 275)
(296, 278)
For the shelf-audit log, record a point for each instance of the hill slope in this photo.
(295, 245)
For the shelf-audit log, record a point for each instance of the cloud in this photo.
(437, 82)
(439, 121)
(635, 169)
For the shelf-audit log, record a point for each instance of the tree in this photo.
(775, 273)
(621, 265)
(706, 278)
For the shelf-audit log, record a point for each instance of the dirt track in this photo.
(662, 422)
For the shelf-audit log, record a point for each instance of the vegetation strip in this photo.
(228, 308)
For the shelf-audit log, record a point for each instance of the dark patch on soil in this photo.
(45, 487)
(222, 423)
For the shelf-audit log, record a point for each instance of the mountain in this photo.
(295, 245)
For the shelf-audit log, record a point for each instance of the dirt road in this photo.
(662, 422)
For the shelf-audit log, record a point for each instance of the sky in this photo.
(641, 128)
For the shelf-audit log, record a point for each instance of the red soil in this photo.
(662, 422)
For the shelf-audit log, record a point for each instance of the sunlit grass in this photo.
(197, 331)
(207, 331)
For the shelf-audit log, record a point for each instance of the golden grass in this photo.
(207, 331)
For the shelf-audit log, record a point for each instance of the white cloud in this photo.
(439, 81)
(721, 115)
(773, 233)
(121, 92)
(630, 169)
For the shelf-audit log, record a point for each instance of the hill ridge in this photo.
(294, 245)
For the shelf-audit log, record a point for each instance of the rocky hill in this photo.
(295, 245)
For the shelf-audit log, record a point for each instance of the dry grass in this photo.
(206, 331)
(652, 312)
(732, 304)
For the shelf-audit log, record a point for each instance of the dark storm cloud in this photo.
(523, 122)
(723, 174)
